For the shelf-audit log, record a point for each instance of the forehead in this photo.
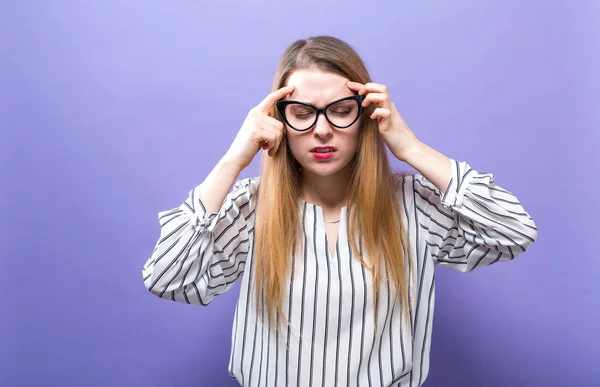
(317, 87)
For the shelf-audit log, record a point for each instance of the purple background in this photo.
(111, 111)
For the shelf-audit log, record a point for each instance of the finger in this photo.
(381, 113)
(375, 88)
(277, 132)
(358, 87)
(267, 104)
(381, 99)
(271, 152)
(274, 134)
(272, 146)
(367, 88)
(266, 139)
(354, 86)
(274, 123)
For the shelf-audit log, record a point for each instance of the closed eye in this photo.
(341, 113)
(303, 116)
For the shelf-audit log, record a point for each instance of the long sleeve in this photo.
(200, 255)
(474, 222)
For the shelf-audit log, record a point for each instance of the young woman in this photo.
(336, 253)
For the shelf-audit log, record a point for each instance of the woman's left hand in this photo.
(394, 131)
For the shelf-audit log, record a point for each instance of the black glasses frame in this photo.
(281, 105)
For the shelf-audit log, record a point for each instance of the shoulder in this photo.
(401, 178)
(409, 183)
(247, 185)
(404, 180)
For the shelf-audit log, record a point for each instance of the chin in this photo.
(325, 169)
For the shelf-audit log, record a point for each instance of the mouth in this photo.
(323, 149)
(323, 152)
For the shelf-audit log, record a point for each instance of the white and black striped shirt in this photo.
(329, 300)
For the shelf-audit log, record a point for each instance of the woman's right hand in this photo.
(259, 130)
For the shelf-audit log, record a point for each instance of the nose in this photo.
(322, 127)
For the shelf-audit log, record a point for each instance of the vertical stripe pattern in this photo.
(332, 340)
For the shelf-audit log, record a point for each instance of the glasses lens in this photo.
(299, 116)
(343, 113)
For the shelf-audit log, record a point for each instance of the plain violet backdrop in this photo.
(111, 111)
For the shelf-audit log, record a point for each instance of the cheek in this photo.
(294, 142)
(352, 140)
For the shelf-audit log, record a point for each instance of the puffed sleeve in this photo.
(473, 223)
(200, 255)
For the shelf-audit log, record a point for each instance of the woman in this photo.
(335, 252)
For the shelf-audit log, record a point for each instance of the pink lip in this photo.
(323, 155)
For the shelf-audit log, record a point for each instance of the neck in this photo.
(326, 191)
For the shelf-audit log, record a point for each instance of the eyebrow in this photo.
(313, 104)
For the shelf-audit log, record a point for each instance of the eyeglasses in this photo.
(301, 116)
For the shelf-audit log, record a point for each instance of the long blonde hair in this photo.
(374, 209)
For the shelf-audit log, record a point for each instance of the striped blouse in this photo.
(332, 340)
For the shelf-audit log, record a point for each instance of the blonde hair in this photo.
(374, 209)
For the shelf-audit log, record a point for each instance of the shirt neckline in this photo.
(302, 201)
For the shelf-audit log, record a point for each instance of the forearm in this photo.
(433, 165)
(218, 183)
